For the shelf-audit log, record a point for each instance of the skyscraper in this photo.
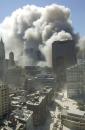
(2, 59)
(63, 56)
(4, 100)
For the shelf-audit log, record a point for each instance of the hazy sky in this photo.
(77, 8)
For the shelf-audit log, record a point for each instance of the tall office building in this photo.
(4, 100)
(2, 59)
(11, 59)
(63, 56)
(75, 80)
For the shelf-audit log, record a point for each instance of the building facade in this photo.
(73, 119)
(75, 80)
(63, 56)
(38, 103)
(2, 59)
(5, 63)
(4, 100)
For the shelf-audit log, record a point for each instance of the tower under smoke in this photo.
(63, 54)
(30, 31)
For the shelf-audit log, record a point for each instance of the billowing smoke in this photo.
(30, 31)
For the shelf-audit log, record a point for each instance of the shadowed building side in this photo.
(2, 59)
(11, 59)
(63, 56)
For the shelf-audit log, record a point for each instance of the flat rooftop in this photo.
(37, 97)
(22, 114)
(76, 112)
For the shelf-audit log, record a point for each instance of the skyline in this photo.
(77, 10)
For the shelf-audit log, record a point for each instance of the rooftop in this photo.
(11, 128)
(37, 97)
(23, 114)
(76, 112)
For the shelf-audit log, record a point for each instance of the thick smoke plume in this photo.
(30, 31)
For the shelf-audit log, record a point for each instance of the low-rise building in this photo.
(19, 119)
(24, 116)
(74, 119)
(38, 103)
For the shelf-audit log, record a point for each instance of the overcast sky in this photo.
(77, 8)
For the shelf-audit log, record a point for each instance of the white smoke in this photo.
(31, 30)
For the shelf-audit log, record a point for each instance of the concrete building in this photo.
(5, 63)
(20, 116)
(81, 56)
(45, 79)
(4, 100)
(38, 103)
(11, 59)
(73, 119)
(18, 120)
(24, 116)
(29, 85)
(15, 77)
(75, 80)
(2, 59)
(32, 70)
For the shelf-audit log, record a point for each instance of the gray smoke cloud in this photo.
(30, 31)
